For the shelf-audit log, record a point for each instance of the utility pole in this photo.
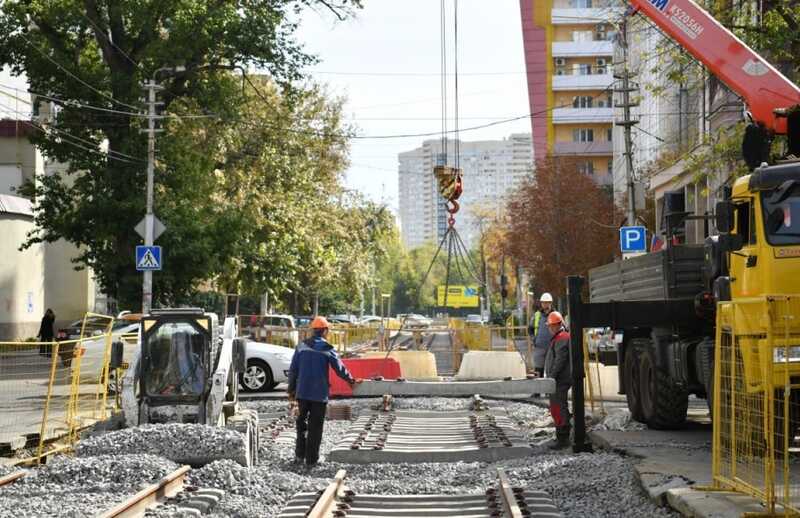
(627, 123)
(149, 225)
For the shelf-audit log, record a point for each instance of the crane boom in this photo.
(762, 86)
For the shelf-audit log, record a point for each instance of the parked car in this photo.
(474, 319)
(415, 320)
(278, 329)
(267, 365)
(95, 326)
(342, 319)
(303, 320)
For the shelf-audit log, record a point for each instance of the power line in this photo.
(56, 63)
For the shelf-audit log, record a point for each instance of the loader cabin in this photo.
(176, 356)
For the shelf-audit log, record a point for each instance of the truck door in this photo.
(745, 275)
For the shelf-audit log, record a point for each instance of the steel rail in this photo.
(11, 477)
(327, 501)
(136, 505)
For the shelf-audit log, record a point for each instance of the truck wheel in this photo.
(632, 386)
(664, 404)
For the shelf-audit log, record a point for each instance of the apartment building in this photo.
(492, 169)
(568, 53)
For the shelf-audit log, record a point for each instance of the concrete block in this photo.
(414, 365)
(189, 511)
(712, 504)
(524, 387)
(491, 365)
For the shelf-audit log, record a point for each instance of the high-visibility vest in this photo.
(537, 317)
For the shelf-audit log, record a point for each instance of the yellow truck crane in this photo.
(723, 318)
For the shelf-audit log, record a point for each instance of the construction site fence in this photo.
(756, 401)
(49, 391)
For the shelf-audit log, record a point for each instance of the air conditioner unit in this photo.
(560, 62)
(601, 62)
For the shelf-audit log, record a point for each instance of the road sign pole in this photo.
(147, 284)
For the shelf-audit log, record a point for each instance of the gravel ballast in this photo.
(193, 444)
(77, 487)
(581, 485)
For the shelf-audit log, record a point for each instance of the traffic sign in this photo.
(158, 227)
(148, 258)
(633, 239)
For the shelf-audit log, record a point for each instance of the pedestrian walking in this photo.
(309, 386)
(558, 366)
(537, 328)
(46, 333)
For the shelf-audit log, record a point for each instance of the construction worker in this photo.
(557, 365)
(309, 387)
(539, 332)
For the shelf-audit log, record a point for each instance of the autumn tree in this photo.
(561, 223)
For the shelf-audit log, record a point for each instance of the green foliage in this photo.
(97, 53)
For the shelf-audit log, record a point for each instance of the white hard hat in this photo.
(546, 297)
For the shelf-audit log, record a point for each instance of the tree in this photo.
(561, 223)
(89, 59)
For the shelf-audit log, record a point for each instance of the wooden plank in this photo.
(327, 502)
(11, 477)
(507, 495)
(136, 505)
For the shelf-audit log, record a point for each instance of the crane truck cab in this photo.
(186, 371)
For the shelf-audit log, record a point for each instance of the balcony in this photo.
(588, 16)
(582, 49)
(583, 115)
(599, 148)
(582, 82)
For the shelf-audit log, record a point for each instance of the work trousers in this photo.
(310, 421)
(559, 410)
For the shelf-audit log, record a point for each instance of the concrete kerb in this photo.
(669, 475)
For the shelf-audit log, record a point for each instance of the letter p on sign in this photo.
(633, 239)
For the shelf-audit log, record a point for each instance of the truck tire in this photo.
(664, 403)
(706, 374)
(631, 377)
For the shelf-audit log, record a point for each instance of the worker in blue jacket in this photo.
(309, 386)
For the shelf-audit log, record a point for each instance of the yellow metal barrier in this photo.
(756, 410)
(49, 391)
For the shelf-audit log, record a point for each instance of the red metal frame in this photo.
(737, 65)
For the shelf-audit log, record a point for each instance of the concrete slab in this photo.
(671, 464)
(410, 437)
(456, 388)
(491, 365)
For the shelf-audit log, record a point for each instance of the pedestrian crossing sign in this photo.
(148, 258)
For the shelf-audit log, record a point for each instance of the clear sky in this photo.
(386, 62)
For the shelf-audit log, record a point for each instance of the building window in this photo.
(580, 4)
(582, 101)
(604, 102)
(610, 134)
(611, 167)
(582, 69)
(586, 168)
(583, 135)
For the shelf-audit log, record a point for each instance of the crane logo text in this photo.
(659, 4)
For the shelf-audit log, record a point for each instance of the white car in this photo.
(274, 328)
(267, 365)
(93, 352)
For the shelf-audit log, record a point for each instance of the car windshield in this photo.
(175, 358)
(782, 217)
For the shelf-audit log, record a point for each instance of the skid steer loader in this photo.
(187, 371)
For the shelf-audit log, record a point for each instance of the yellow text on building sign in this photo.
(458, 296)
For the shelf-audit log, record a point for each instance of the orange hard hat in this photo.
(320, 323)
(554, 318)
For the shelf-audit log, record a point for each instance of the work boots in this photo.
(562, 439)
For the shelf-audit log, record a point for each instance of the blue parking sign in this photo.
(632, 239)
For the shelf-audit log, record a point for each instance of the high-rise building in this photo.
(568, 55)
(491, 168)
